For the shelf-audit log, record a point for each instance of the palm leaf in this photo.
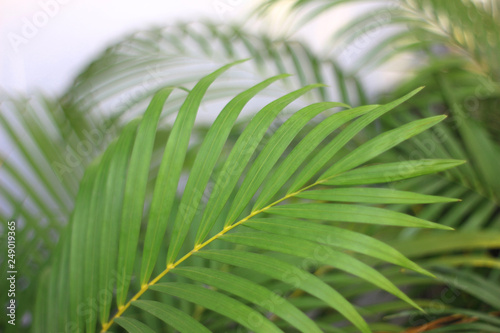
(87, 270)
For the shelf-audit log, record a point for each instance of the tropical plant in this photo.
(212, 191)
(57, 138)
(291, 197)
(458, 44)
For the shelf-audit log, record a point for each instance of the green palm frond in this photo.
(460, 46)
(124, 77)
(468, 28)
(183, 238)
(289, 220)
(456, 259)
(459, 41)
(462, 137)
(57, 138)
(48, 150)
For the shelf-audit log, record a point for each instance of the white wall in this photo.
(44, 43)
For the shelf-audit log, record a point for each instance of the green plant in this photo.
(294, 186)
(459, 70)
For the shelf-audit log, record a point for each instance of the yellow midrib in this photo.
(198, 247)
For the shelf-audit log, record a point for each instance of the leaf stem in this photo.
(198, 247)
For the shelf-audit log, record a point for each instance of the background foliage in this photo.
(455, 52)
